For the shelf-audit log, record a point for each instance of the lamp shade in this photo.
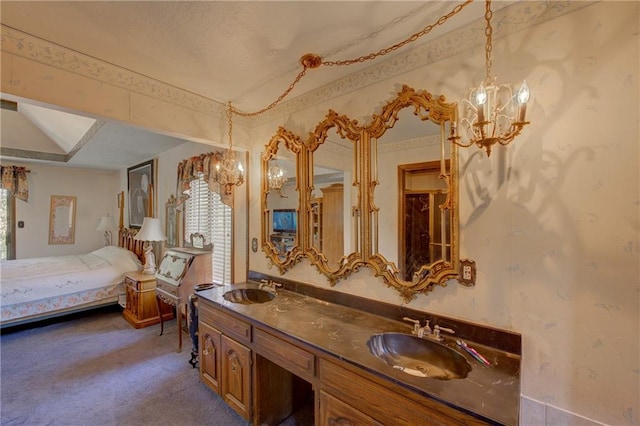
(106, 224)
(151, 230)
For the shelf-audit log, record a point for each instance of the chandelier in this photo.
(229, 172)
(277, 177)
(493, 114)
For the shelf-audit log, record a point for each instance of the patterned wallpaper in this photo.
(552, 221)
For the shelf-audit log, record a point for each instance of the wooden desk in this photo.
(180, 270)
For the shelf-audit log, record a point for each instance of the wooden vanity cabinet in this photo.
(210, 341)
(266, 375)
(225, 362)
(354, 397)
(334, 412)
(236, 376)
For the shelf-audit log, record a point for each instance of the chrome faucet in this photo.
(417, 330)
(425, 332)
(436, 332)
(270, 285)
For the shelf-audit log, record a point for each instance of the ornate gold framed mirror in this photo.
(332, 198)
(282, 169)
(414, 240)
(384, 195)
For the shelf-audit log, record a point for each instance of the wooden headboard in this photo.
(125, 239)
(125, 235)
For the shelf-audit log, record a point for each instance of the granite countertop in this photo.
(491, 392)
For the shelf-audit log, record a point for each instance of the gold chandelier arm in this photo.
(456, 140)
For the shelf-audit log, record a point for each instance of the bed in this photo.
(41, 288)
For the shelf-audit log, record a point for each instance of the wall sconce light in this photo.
(493, 114)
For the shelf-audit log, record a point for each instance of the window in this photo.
(7, 214)
(205, 214)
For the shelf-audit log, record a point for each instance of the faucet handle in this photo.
(269, 284)
(416, 324)
(437, 329)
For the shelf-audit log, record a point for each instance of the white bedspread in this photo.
(43, 285)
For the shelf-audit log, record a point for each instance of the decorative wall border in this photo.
(508, 20)
(30, 47)
(413, 143)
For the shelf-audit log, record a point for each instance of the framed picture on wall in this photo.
(62, 219)
(140, 186)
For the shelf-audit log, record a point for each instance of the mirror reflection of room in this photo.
(424, 226)
(282, 201)
(408, 161)
(333, 199)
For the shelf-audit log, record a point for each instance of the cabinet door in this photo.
(210, 355)
(236, 376)
(132, 296)
(334, 412)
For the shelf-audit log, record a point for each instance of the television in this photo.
(285, 220)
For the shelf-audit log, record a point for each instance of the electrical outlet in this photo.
(466, 272)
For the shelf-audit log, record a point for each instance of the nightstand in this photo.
(142, 309)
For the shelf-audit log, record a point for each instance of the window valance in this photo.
(14, 180)
(204, 164)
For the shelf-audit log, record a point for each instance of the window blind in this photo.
(205, 213)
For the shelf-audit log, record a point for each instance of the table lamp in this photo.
(106, 225)
(150, 232)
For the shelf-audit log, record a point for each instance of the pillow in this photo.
(119, 255)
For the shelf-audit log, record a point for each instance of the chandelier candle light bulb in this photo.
(481, 102)
(523, 98)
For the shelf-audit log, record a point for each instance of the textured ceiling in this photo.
(246, 52)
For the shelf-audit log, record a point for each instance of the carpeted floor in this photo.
(98, 370)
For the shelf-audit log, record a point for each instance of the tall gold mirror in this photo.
(384, 195)
(333, 198)
(281, 172)
(413, 208)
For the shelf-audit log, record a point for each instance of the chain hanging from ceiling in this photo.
(492, 114)
(231, 173)
(311, 60)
